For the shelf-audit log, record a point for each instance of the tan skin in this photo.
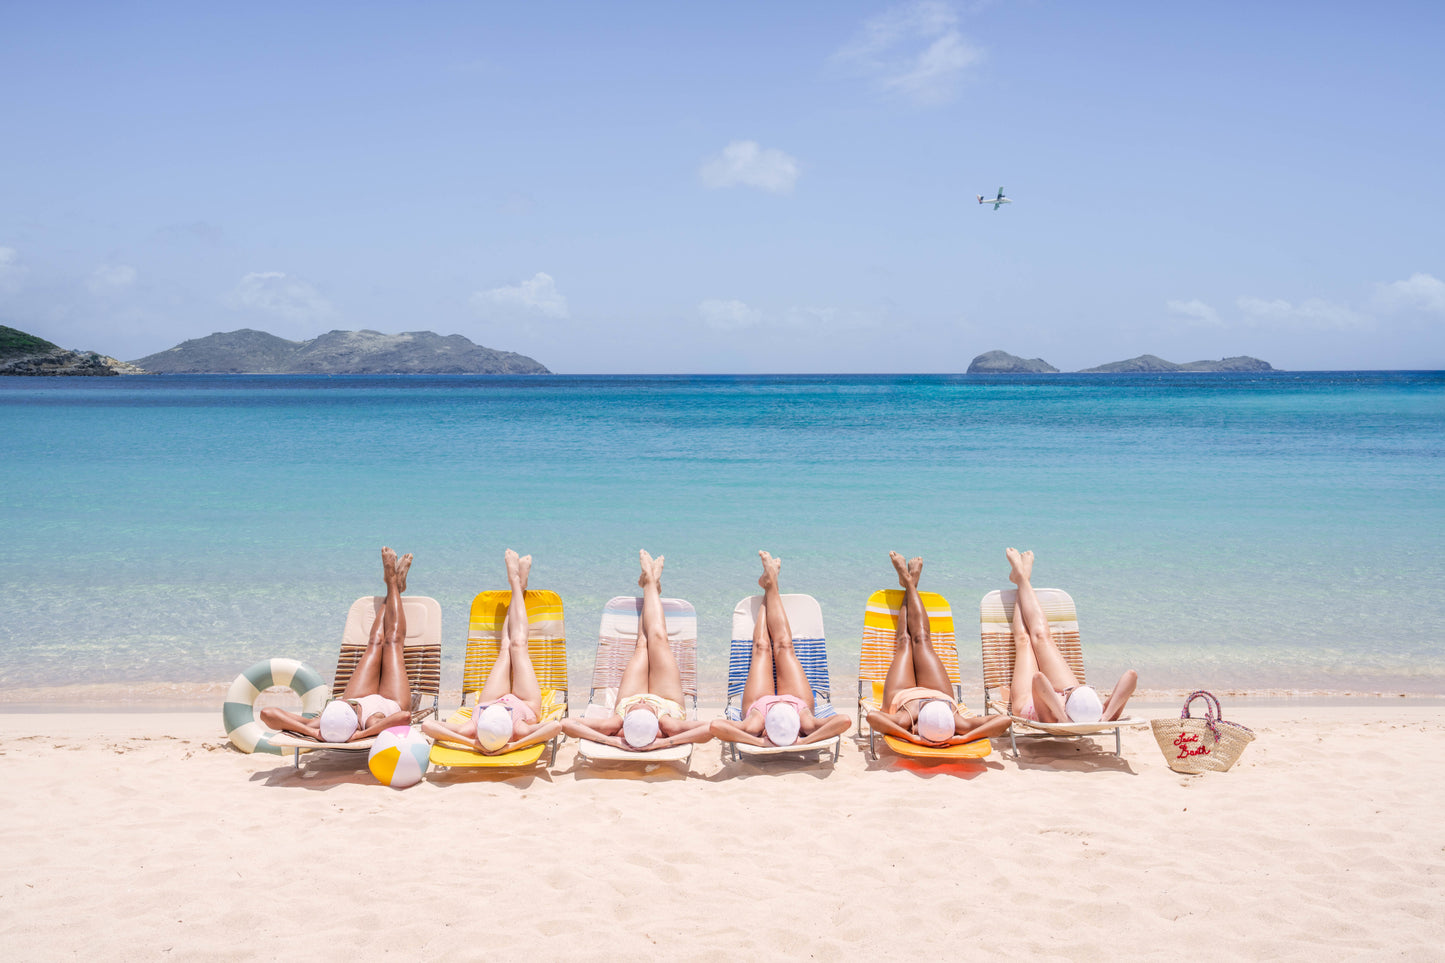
(381, 671)
(915, 663)
(511, 673)
(652, 669)
(773, 652)
(1040, 669)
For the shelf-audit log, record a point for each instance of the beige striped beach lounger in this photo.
(422, 651)
(996, 630)
(617, 639)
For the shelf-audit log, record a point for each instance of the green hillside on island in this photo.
(23, 354)
(337, 352)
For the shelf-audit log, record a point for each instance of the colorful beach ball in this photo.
(399, 757)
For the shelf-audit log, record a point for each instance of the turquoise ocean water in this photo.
(1281, 531)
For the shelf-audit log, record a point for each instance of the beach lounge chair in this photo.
(422, 651)
(547, 645)
(806, 619)
(880, 629)
(996, 629)
(617, 639)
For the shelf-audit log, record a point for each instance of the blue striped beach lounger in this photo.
(805, 618)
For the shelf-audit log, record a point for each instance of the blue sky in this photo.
(770, 187)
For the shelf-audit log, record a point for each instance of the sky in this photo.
(740, 187)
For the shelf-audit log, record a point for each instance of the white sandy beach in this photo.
(142, 836)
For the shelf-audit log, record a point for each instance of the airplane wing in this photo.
(1000, 192)
(996, 205)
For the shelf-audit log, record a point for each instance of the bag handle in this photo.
(1213, 713)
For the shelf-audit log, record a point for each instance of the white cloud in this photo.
(745, 162)
(538, 295)
(1309, 314)
(728, 315)
(914, 50)
(1419, 292)
(1196, 311)
(275, 293)
(12, 273)
(109, 278)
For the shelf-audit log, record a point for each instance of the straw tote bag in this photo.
(1209, 744)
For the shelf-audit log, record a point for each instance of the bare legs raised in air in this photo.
(378, 694)
(650, 711)
(918, 704)
(781, 714)
(1042, 680)
(509, 706)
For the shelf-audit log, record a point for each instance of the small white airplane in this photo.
(995, 201)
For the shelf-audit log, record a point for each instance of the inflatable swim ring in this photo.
(239, 711)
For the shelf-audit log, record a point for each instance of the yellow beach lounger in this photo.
(616, 642)
(422, 651)
(546, 644)
(880, 629)
(996, 630)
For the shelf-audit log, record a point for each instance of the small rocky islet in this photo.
(1001, 362)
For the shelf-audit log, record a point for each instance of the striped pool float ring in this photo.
(239, 711)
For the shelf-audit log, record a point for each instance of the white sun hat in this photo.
(935, 720)
(1083, 705)
(338, 721)
(494, 727)
(639, 728)
(782, 724)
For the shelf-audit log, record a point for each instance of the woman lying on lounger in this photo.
(510, 703)
(649, 696)
(781, 713)
(1044, 688)
(378, 694)
(917, 701)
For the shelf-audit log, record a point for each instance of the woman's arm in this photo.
(457, 735)
(821, 730)
(887, 724)
(399, 718)
(729, 731)
(539, 733)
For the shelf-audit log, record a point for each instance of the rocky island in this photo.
(1151, 364)
(337, 352)
(1001, 362)
(25, 354)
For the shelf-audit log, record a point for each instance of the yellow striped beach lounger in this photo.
(996, 631)
(546, 644)
(880, 629)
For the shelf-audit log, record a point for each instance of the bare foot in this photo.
(915, 569)
(1017, 573)
(403, 565)
(1028, 564)
(771, 566)
(388, 564)
(510, 557)
(657, 569)
(646, 561)
(902, 568)
(524, 569)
